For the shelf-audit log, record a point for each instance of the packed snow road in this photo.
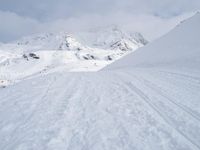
(141, 109)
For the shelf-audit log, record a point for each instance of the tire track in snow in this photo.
(149, 102)
(156, 109)
(192, 118)
(190, 77)
(153, 86)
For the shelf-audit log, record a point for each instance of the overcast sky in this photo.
(150, 17)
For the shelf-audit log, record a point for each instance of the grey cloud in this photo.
(23, 17)
(57, 9)
(13, 26)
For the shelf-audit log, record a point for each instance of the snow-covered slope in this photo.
(178, 49)
(155, 107)
(43, 53)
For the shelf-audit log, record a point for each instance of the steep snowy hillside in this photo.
(134, 104)
(180, 48)
(50, 52)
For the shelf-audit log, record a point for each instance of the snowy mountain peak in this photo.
(112, 37)
(70, 43)
(109, 38)
(52, 41)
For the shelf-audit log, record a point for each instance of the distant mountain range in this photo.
(85, 51)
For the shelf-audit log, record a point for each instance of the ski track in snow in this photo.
(105, 110)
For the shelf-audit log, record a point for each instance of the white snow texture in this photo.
(148, 100)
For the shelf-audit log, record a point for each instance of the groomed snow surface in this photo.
(148, 100)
